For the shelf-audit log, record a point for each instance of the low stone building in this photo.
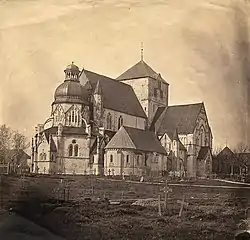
(134, 152)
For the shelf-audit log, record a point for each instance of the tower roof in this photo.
(139, 70)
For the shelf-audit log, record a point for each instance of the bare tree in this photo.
(12, 144)
(19, 143)
(240, 157)
(5, 142)
(216, 151)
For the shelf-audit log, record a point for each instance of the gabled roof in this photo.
(174, 136)
(17, 152)
(226, 151)
(136, 139)
(139, 70)
(181, 117)
(117, 96)
(203, 152)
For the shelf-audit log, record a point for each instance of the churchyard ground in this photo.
(213, 212)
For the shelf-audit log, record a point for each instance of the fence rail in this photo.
(4, 168)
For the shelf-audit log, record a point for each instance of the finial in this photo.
(72, 62)
(226, 143)
(141, 51)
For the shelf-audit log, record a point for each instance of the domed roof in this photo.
(70, 91)
(72, 67)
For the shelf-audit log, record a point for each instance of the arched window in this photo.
(120, 122)
(73, 116)
(70, 118)
(76, 150)
(127, 158)
(111, 158)
(109, 121)
(202, 136)
(44, 156)
(76, 118)
(41, 156)
(138, 160)
(70, 150)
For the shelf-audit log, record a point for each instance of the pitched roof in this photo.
(226, 151)
(139, 70)
(181, 117)
(174, 136)
(136, 139)
(117, 96)
(17, 152)
(203, 152)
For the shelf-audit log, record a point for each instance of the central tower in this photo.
(150, 88)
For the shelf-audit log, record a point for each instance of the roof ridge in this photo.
(187, 104)
(112, 79)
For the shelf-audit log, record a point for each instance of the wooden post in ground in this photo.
(167, 190)
(68, 194)
(159, 205)
(122, 195)
(183, 203)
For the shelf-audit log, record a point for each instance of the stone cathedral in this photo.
(123, 126)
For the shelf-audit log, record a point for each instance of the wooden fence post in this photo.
(159, 205)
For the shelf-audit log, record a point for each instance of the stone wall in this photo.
(128, 120)
(132, 163)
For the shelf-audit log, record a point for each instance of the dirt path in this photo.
(183, 184)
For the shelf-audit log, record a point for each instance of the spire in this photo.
(98, 89)
(142, 51)
(175, 135)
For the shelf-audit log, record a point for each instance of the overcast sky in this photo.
(194, 44)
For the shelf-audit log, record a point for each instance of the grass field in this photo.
(212, 213)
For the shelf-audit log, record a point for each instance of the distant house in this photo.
(228, 162)
(18, 160)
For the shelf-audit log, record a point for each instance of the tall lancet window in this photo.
(120, 122)
(76, 150)
(202, 136)
(109, 121)
(70, 150)
(73, 116)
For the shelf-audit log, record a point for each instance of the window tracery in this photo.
(120, 122)
(109, 121)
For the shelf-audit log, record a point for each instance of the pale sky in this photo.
(192, 43)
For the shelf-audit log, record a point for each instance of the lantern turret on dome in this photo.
(72, 72)
(71, 91)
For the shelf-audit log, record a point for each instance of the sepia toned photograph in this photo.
(124, 119)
